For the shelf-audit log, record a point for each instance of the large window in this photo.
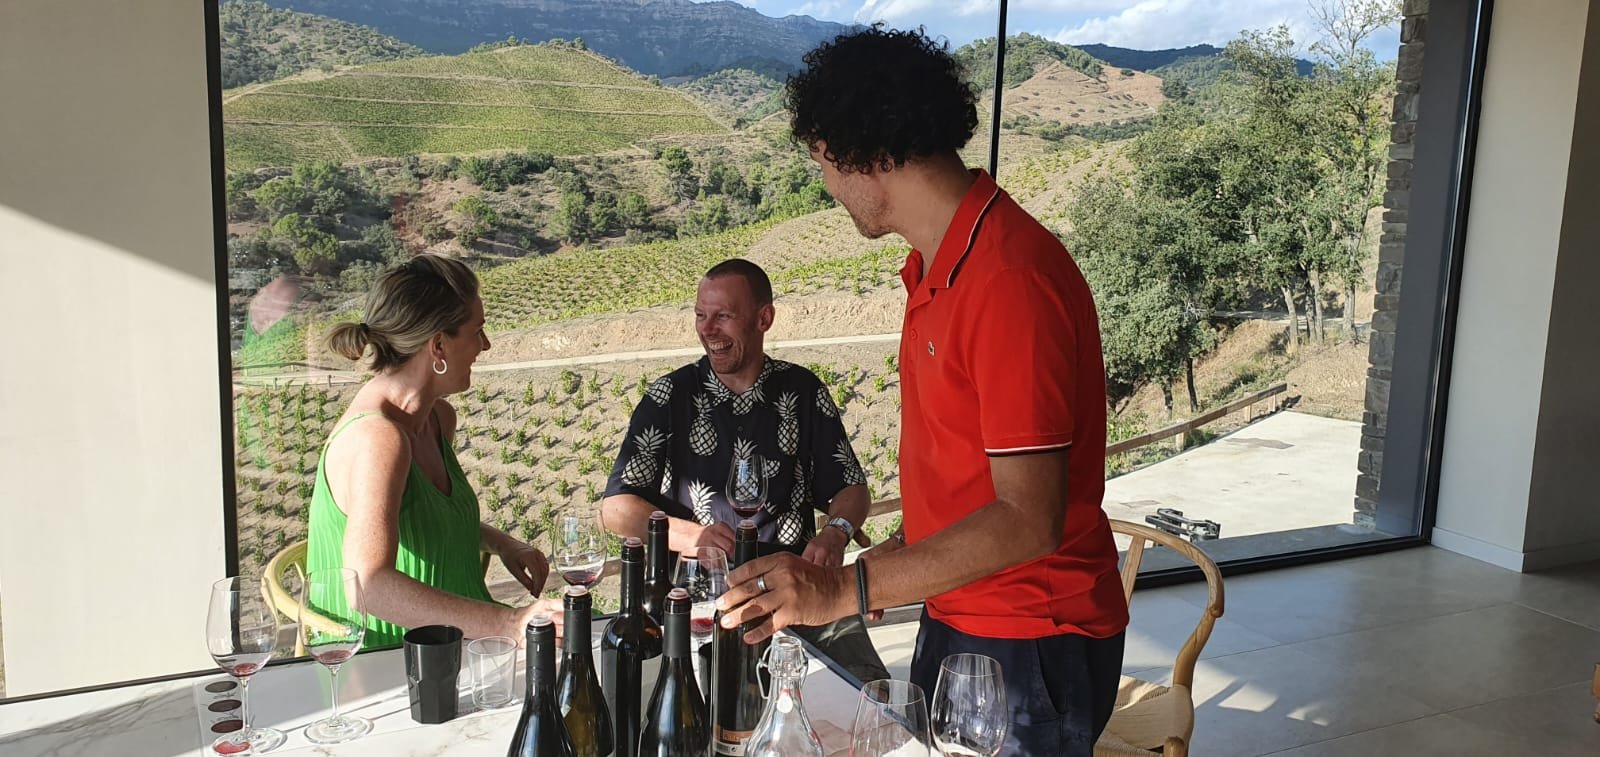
(1227, 202)
(1241, 186)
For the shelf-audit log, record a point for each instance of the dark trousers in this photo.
(846, 642)
(1060, 689)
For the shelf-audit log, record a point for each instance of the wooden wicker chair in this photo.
(292, 559)
(1150, 718)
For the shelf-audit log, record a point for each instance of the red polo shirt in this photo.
(1000, 355)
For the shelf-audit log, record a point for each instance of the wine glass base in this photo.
(338, 731)
(257, 741)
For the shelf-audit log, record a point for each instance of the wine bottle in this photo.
(676, 722)
(784, 730)
(583, 705)
(541, 732)
(631, 641)
(657, 568)
(738, 680)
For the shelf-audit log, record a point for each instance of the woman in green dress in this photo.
(391, 500)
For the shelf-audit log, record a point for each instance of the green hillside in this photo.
(549, 98)
(1024, 53)
(260, 43)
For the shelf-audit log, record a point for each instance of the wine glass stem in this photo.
(244, 705)
(333, 691)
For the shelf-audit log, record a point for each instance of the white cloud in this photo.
(1154, 24)
(824, 9)
(897, 12)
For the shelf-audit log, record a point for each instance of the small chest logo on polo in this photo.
(930, 349)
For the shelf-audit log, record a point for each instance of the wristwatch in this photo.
(843, 525)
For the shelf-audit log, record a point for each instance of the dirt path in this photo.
(345, 377)
(502, 80)
(472, 104)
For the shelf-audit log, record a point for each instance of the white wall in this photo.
(1514, 233)
(111, 521)
(1564, 500)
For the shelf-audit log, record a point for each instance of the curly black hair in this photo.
(880, 97)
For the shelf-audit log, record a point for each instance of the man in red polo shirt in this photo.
(1003, 421)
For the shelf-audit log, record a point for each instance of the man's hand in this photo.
(685, 535)
(827, 548)
(798, 593)
(526, 564)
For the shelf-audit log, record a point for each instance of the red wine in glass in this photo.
(242, 665)
(747, 483)
(581, 569)
(334, 653)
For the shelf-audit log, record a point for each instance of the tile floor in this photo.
(1419, 652)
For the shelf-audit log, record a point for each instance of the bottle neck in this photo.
(541, 663)
(744, 551)
(632, 597)
(578, 633)
(660, 556)
(677, 633)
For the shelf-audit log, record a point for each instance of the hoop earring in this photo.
(440, 366)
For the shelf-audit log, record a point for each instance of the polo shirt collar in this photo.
(960, 237)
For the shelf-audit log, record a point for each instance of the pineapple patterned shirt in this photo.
(685, 432)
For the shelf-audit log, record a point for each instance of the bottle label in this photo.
(730, 742)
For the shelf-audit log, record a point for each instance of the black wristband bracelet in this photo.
(861, 586)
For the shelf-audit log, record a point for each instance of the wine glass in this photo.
(747, 483)
(241, 634)
(703, 572)
(969, 706)
(332, 628)
(580, 550)
(891, 719)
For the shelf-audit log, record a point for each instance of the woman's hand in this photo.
(522, 616)
(526, 564)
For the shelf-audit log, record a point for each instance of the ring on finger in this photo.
(761, 583)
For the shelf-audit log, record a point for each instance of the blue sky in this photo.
(1142, 24)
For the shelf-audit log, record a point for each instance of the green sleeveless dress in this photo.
(439, 538)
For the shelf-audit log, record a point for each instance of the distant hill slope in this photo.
(553, 99)
(1070, 97)
(260, 43)
(736, 92)
(1025, 54)
(661, 37)
(1149, 60)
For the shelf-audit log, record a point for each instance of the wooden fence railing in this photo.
(1268, 395)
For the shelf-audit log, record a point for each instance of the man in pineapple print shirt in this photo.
(734, 403)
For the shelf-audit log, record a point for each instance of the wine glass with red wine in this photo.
(241, 633)
(747, 482)
(580, 550)
(332, 629)
(703, 572)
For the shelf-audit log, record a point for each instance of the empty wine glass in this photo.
(891, 719)
(969, 706)
(580, 554)
(241, 634)
(747, 482)
(332, 629)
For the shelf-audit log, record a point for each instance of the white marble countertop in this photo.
(164, 719)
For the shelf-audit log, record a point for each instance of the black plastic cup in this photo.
(433, 660)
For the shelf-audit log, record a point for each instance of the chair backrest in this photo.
(1142, 535)
(292, 558)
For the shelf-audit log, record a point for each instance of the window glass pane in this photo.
(1228, 204)
(588, 180)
